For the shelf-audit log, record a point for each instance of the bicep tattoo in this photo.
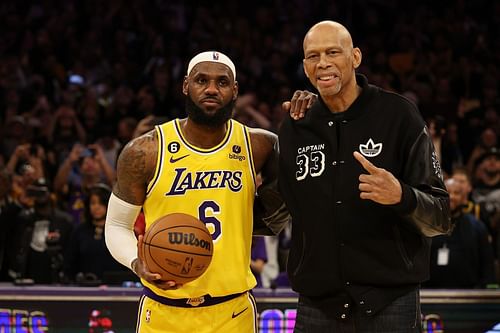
(136, 166)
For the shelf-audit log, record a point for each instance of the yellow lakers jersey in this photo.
(217, 186)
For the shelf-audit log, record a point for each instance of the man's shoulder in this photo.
(395, 106)
(396, 99)
(143, 143)
(262, 134)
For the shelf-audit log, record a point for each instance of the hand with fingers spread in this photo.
(301, 102)
(378, 185)
(140, 269)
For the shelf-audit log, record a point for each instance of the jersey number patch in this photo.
(312, 164)
(206, 213)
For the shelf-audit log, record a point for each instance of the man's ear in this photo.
(304, 67)
(235, 90)
(356, 57)
(185, 86)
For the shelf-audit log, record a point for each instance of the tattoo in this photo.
(135, 168)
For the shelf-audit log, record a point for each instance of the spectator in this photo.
(487, 140)
(28, 154)
(41, 236)
(487, 192)
(461, 176)
(463, 259)
(9, 209)
(64, 131)
(83, 168)
(16, 133)
(87, 254)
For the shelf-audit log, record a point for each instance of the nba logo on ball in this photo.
(177, 246)
(188, 263)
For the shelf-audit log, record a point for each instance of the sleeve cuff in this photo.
(408, 201)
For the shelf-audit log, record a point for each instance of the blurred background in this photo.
(79, 79)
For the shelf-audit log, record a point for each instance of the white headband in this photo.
(212, 56)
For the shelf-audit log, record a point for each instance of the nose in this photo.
(211, 88)
(323, 63)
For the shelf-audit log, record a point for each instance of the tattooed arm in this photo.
(135, 169)
(136, 166)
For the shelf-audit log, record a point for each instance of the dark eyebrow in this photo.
(217, 77)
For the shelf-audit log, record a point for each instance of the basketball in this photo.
(178, 247)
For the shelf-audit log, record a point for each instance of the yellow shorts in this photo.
(235, 315)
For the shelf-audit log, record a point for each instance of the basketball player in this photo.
(364, 188)
(204, 166)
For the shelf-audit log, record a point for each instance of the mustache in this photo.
(211, 98)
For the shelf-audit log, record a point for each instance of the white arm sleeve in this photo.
(119, 230)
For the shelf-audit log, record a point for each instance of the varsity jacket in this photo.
(344, 248)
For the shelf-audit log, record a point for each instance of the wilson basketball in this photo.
(178, 246)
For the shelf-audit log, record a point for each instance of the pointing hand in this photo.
(378, 185)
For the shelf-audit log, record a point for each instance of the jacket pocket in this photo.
(401, 248)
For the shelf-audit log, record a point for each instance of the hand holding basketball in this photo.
(139, 268)
(177, 247)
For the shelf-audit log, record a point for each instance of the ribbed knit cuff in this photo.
(408, 201)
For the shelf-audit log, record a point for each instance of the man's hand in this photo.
(140, 269)
(302, 100)
(379, 185)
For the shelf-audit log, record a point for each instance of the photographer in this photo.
(84, 167)
(41, 236)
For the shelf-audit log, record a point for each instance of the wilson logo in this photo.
(188, 239)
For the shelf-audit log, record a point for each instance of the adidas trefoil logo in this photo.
(370, 149)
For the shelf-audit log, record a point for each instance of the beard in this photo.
(220, 117)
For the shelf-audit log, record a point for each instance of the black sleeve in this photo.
(425, 201)
(270, 212)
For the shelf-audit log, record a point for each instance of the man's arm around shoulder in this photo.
(270, 213)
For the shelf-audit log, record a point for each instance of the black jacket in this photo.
(470, 262)
(343, 245)
(42, 267)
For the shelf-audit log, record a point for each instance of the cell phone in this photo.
(76, 79)
(93, 151)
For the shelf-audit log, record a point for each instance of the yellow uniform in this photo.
(217, 186)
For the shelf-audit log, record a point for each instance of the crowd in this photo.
(79, 79)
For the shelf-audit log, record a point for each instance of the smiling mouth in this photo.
(327, 77)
